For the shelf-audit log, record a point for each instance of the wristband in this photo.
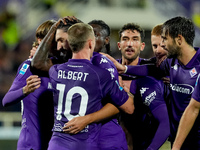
(126, 69)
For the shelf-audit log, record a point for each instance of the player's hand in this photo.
(75, 125)
(120, 68)
(32, 52)
(166, 80)
(160, 60)
(71, 18)
(32, 83)
(126, 85)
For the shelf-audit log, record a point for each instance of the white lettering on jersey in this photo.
(72, 75)
(143, 90)
(103, 60)
(182, 88)
(150, 98)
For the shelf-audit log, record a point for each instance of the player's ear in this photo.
(107, 40)
(142, 46)
(91, 43)
(119, 47)
(179, 39)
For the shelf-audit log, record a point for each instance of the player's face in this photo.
(130, 44)
(61, 39)
(170, 45)
(63, 49)
(100, 37)
(159, 51)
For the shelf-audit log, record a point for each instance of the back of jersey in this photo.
(77, 87)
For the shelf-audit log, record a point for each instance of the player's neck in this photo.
(82, 54)
(188, 53)
(130, 62)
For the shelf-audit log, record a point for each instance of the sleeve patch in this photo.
(23, 69)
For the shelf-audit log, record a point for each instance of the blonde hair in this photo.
(42, 30)
(78, 34)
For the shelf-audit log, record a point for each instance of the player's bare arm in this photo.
(40, 60)
(79, 123)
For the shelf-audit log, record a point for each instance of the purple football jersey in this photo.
(111, 135)
(37, 110)
(103, 62)
(74, 95)
(152, 96)
(182, 82)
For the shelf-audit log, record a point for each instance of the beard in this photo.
(131, 58)
(62, 55)
(174, 51)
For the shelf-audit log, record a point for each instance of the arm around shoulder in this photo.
(128, 106)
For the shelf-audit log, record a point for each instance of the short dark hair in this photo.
(102, 24)
(105, 27)
(65, 27)
(132, 26)
(180, 25)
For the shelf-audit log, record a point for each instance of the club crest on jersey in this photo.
(103, 60)
(193, 72)
(23, 69)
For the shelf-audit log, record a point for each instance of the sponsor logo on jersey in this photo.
(182, 88)
(193, 72)
(150, 98)
(143, 90)
(103, 60)
(23, 69)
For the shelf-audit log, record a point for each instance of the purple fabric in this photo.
(111, 135)
(196, 93)
(37, 122)
(74, 94)
(182, 82)
(152, 95)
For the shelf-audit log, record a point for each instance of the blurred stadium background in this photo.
(20, 18)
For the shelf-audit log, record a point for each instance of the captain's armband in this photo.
(125, 69)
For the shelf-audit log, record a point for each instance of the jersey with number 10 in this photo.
(79, 88)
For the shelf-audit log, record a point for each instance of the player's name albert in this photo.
(72, 75)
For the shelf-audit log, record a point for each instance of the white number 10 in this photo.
(68, 103)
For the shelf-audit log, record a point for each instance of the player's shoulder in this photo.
(24, 65)
(150, 82)
(97, 57)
